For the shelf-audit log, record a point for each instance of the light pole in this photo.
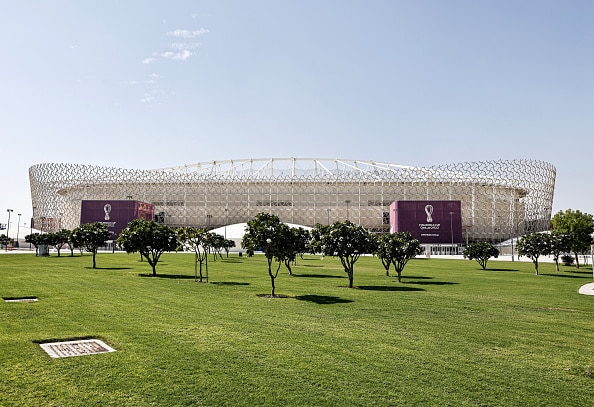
(208, 221)
(512, 240)
(18, 230)
(347, 202)
(8, 228)
(226, 221)
(452, 231)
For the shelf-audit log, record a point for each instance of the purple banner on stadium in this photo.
(428, 221)
(115, 214)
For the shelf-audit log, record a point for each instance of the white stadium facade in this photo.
(499, 199)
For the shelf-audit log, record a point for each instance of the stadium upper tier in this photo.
(500, 199)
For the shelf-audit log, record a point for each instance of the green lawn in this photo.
(450, 334)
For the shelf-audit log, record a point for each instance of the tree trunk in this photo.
(195, 268)
(94, 263)
(271, 275)
(577, 261)
(351, 276)
(536, 266)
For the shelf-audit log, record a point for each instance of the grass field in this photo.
(450, 334)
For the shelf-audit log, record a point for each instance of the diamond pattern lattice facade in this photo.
(500, 199)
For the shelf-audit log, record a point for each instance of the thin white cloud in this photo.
(179, 46)
(180, 50)
(176, 56)
(187, 33)
(147, 98)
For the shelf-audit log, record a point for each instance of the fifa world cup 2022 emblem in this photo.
(429, 212)
(107, 209)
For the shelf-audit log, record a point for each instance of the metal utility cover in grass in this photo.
(24, 299)
(75, 348)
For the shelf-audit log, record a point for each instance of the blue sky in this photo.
(152, 84)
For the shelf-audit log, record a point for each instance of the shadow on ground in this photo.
(589, 275)
(430, 282)
(322, 299)
(387, 288)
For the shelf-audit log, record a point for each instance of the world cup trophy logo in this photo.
(107, 209)
(429, 212)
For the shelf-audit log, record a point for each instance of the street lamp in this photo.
(347, 202)
(226, 221)
(208, 220)
(452, 231)
(8, 228)
(18, 230)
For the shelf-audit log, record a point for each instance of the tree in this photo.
(196, 240)
(267, 233)
(229, 243)
(481, 252)
(579, 226)
(403, 248)
(383, 251)
(560, 244)
(36, 239)
(345, 240)
(296, 241)
(91, 236)
(5, 240)
(58, 239)
(302, 238)
(533, 246)
(149, 238)
(217, 243)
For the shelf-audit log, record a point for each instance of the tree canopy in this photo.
(533, 246)
(579, 226)
(267, 233)
(196, 240)
(403, 247)
(481, 252)
(345, 240)
(148, 238)
(91, 236)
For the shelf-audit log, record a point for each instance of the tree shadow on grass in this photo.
(317, 276)
(416, 277)
(174, 276)
(312, 265)
(109, 268)
(229, 283)
(275, 296)
(231, 260)
(322, 299)
(387, 288)
(566, 275)
(578, 272)
(489, 269)
(430, 282)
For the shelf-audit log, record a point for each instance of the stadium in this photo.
(499, 199)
